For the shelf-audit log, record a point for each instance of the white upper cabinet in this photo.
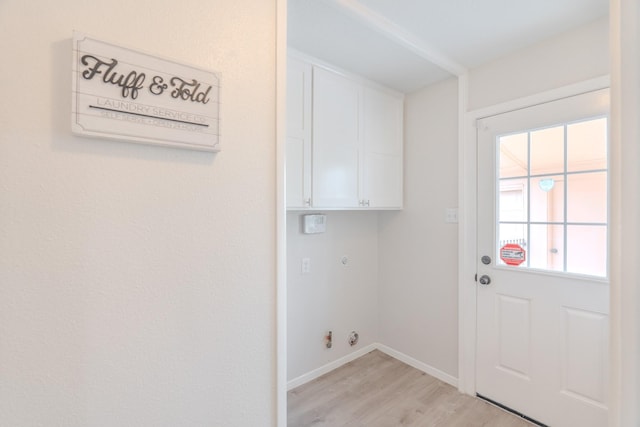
(344, 141)
(382, 149)
(336, 140)
(298, 153)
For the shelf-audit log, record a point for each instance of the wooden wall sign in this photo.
(123, 94)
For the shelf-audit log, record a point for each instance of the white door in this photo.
(543, 294)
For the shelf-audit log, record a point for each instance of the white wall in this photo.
(332, 296)
(137, 283)
(577, 55)
(417, 249)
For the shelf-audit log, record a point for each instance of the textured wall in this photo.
(418, 250)
(332, 296)
(574, 56)
(136, 282)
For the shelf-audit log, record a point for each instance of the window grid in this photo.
(528, 178)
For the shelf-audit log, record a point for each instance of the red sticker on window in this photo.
(513, 254)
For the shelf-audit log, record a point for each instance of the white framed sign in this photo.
(123, 94)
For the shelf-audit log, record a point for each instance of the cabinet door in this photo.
(336, 139)
(382, 159)
(298, 153)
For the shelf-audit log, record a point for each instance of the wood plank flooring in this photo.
(377, 390)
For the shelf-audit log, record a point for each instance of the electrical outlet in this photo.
(451, 215)
(306, 265)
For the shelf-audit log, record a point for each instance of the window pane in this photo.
(540, 195)
(513, 155)
(546, 247)
(547, 151)
(511, 233)
(547, 199)
(587, 249)
(587, 197)
(512, 200)
(587, 145)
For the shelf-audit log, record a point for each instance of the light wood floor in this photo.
(377, 390)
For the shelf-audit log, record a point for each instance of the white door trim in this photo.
(281, 216)
(467, 227)
(624, 21)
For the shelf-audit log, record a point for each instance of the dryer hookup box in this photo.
(313, 224)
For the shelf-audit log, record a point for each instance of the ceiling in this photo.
(408, 44)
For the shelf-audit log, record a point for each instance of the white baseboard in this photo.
(428, 369)
(310, 376)
(434, 372)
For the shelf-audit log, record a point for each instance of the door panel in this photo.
(542, 330)
(514, 335)
(298, 153)
(584, 331)
(296, 173)
(382, 154)
(336, 140)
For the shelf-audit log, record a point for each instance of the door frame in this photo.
(624, 20)
(467, 199)
(280, 310)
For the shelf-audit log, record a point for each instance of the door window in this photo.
(552, 198)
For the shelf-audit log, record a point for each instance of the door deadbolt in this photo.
(486, 259)
(485, 280)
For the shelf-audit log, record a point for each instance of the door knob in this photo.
(485, 280)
